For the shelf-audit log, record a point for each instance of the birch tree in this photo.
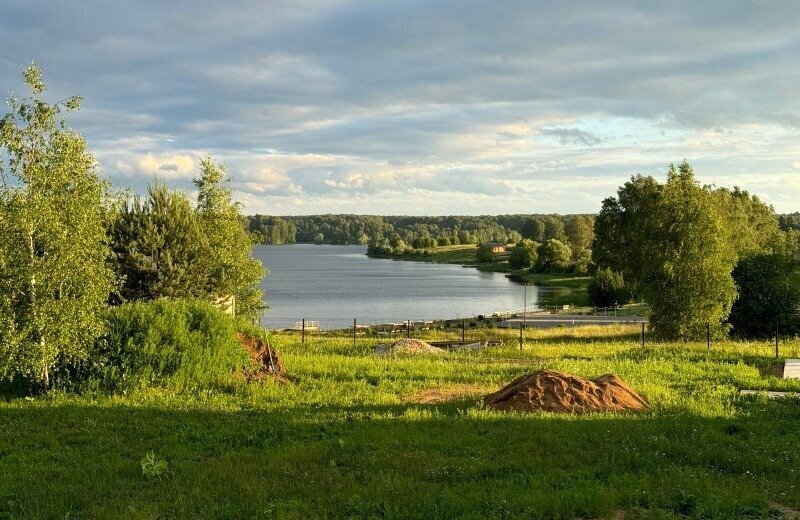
(54, 276)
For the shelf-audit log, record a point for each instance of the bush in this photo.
(607, 289)
(523, 255)
(484, 254)
(176, 344)
(766, 297)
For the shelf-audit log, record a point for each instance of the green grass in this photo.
(459, 254)
(563, 288)
(346, 439)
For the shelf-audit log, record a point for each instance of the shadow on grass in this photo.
(399, 461)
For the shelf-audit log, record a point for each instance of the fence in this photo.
(463, 330)
(457, 330)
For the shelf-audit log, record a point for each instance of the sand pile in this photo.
(407, 346)
(264, 356)
(551, 391)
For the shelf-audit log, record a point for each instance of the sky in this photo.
(424, 107)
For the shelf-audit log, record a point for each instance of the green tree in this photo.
(54, 279)
(579, 232)
(484, 254)
(523, 255)
(161, 249)
(533, 228)
(754, 225)
(687, 259)
(607, 289)
(553, 255)
(766, 296)
(232, 269)
(553, 228)
(623, 226)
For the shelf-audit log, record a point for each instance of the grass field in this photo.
(458, 254)
(359, 436)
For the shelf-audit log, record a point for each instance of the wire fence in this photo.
(510, 328)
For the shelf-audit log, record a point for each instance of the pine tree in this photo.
(160, 247)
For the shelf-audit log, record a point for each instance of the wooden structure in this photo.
(309, 325)
(791, 369)
(496, 247)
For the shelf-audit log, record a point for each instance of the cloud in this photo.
(414, 106)
(167, 166)
(572, 136)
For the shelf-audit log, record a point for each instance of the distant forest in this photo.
(416, 232)
(422, 232)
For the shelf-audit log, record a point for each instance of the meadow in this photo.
(354, 435)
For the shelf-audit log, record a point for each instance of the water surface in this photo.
(335, 284)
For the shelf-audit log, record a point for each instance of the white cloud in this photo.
(167, 166)
(424, 107)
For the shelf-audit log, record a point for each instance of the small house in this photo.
(496, 247)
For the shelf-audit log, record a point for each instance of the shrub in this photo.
(523, 255)
(484, 254)
(607, 288)
(175, 344)
(766, 296)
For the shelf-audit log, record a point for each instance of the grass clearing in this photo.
(458, 254)
(348, 439)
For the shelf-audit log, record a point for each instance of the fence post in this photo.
(408, 329)
(354, 333)
(777, 332)
(463, 330)
(642, 334)
(303, 332)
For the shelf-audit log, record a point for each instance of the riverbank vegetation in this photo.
(359, 435)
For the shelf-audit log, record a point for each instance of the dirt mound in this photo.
(551, 391)
(264, 357)
(407, 346)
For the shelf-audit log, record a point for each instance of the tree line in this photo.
(705, 259)
(416, 232)
(71, 248)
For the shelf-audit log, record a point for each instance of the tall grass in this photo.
(349, 438)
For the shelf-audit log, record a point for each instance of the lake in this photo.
(334, 284)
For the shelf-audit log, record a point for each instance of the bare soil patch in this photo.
(264, 357)
(774, 369)
(786, 511)
(407, 346)
(440, 395)
(552, 391)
